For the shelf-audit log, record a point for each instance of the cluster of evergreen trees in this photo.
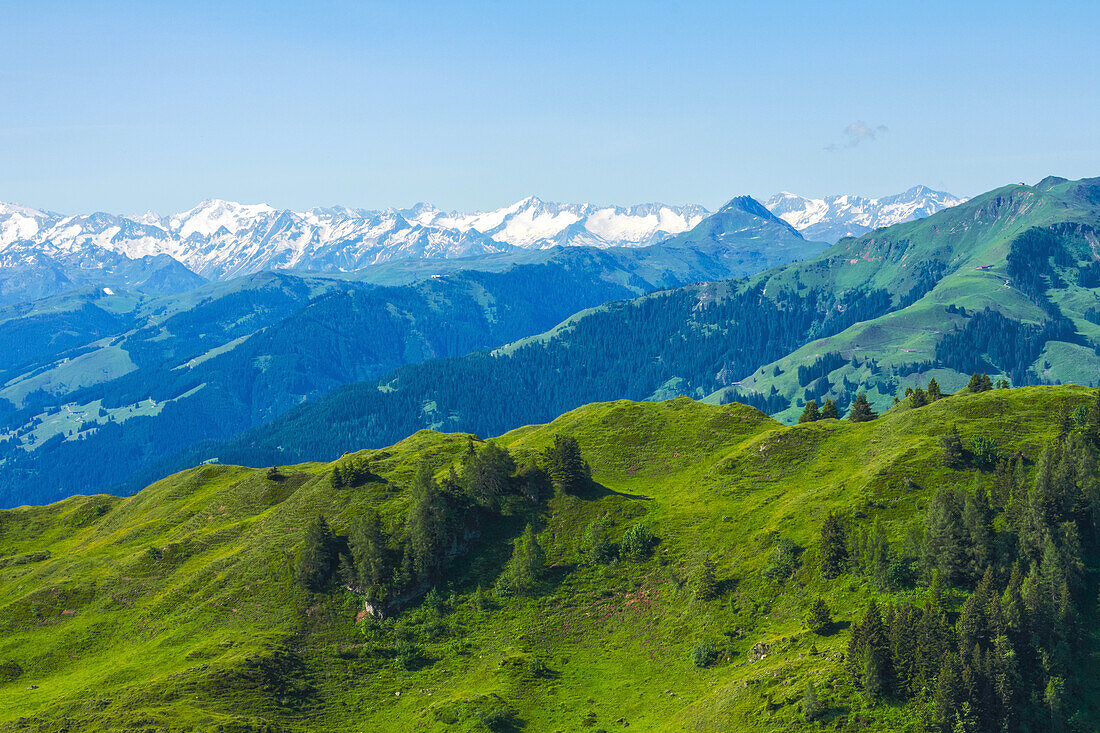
(861, 410)
(444, 517)
(1024, 554)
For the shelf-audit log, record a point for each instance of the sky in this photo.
(131, 106)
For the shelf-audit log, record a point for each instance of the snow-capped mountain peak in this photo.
(220, 239)
(834, 217)
(214, 214)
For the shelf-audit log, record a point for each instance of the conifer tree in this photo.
(818, 618)
(426, 524)
(979, 382)
(948, 694)
(951, 448)
(904, 632)
(487, 474)
(934, 392)
(565, 465)
(527, 565)
(834, 546)
(370, 555)
(829, 411)
(919, 398)
(810, 413)
(861, 410)
(317, 559)
(595, 545)
(978, 520)
(876, 652)
(946, 539)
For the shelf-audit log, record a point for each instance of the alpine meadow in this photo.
(776, 409)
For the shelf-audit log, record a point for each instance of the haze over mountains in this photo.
(43, 253)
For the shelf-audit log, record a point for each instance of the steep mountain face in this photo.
(835, 217)
(888, 310)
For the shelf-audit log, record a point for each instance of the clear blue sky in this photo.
(146, 105)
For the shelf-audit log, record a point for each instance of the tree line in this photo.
(1023, 549)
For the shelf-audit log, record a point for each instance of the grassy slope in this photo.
(964, 238)
(112, 635)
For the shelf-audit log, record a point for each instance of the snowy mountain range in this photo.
(223, 239)
(834, 217)
(42, 252)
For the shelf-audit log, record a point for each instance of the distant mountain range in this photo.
(834, 217)
(43, 253)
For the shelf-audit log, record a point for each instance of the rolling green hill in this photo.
(188, 606)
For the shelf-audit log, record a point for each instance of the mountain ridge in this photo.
(219, 239)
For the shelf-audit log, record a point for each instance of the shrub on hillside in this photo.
(704, 654)
(637, 543)
(818, 617)
(985, 452)
(784, 561)
(596, 548)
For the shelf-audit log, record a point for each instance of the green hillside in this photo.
(191, 605)
(1029, 253)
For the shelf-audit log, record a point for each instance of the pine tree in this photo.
(985, 452)
(978, 520)
(948, 695)
(919, 398)
(876, 665)
(527, 565)
(834, 547)
(861, 410)
(565, 465)
(951, 448)
(1012, 603)
(946, 541)
(810, 413)
(370, 555)
(426, 524)
(595, 545)
(818, 618)
(317, 561)
(487, 475)
(829, 411)
(979, 382)
(934, 392)
(904, 632)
